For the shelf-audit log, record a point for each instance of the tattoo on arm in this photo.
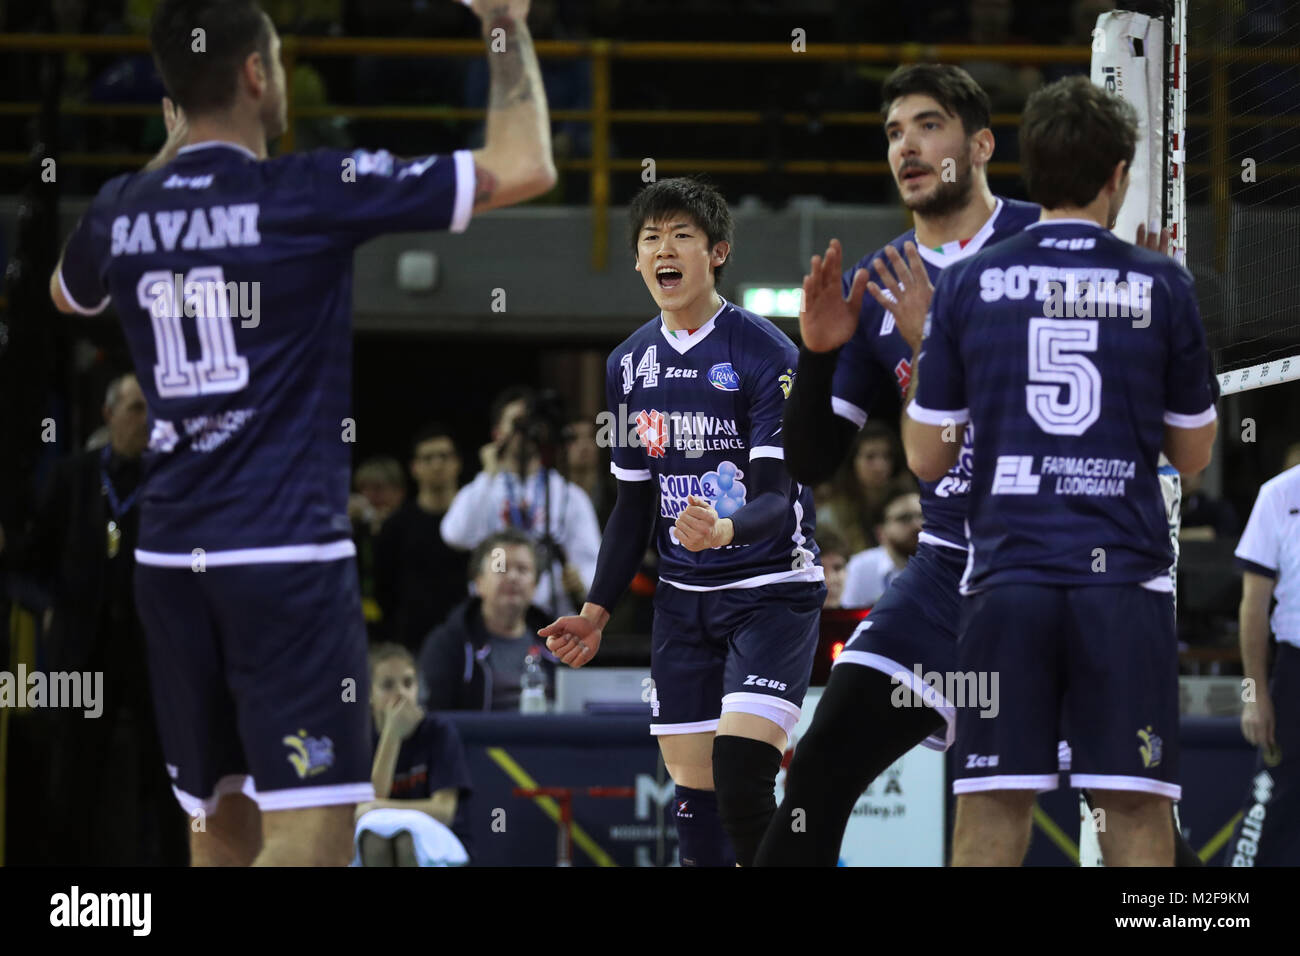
(485, 185)
(513, 69)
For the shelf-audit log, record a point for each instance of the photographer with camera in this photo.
(522, 486)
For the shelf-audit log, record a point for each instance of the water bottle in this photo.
(532, 684)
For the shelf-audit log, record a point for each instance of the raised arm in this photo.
(515, 163)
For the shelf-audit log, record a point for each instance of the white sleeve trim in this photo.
(76, 306)
(767, 451)
(1259, 540)
(929, 416)
(629, 474)
(1191, 421)
(849, 411)
(465, 185)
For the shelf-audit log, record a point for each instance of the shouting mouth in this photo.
(668, 278)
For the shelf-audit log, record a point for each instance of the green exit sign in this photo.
(772, 301)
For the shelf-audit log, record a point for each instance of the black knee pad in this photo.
(744, 777)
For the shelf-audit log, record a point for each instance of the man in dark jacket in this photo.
(475, 659)
(109, 793)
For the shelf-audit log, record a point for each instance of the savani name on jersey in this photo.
(218, 227)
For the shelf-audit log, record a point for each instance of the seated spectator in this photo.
(420, 813)
(474, 660)
(418, 578)
(1205, 518)
(835, 557)
(869, 573)
(379, 489)
(511, 492)
(860, 486)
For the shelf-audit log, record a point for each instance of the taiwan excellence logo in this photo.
(652, 432)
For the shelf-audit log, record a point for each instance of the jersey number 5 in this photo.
(1055, 363)
(202, 294)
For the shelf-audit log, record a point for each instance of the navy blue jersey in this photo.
(233, 281)
(689, 412)
(878, 354)
(433, 759)
(1069, 350)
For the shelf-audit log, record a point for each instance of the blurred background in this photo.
(776, 101)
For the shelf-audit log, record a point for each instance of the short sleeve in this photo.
(627, 461)
(85, 258)
(857, 373)
(768, 390)
(365, 194)
(1189, 386)
(940, 395)
(448, 765)
(1259, 549)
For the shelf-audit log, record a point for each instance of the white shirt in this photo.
(866, 576)
(1270, 546)
(483, 507)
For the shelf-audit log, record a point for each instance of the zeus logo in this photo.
(975, 761)
(753, 680)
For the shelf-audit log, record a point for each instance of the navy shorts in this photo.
(737, 649)
(260, 682)
(1102, 660)
(912, 630)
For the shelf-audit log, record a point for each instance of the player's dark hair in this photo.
(1072, 135)
(387, 651)
(515, 393)
(200, 69)
(428, 433)
(950, 86)
(506, 538)
(699, 200)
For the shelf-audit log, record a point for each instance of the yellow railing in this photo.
(602, 115)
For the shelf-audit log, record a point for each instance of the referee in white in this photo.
(1269, 555)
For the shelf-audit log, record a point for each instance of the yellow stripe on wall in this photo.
(581, 839)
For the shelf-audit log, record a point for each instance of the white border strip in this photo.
(287, 554)
(697, 727)
(1039, 783)
(465, 187)
(1107, 781)
(299, 798)
(77, 306)
(629, 474)
(847, 410)
(1258, 376)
